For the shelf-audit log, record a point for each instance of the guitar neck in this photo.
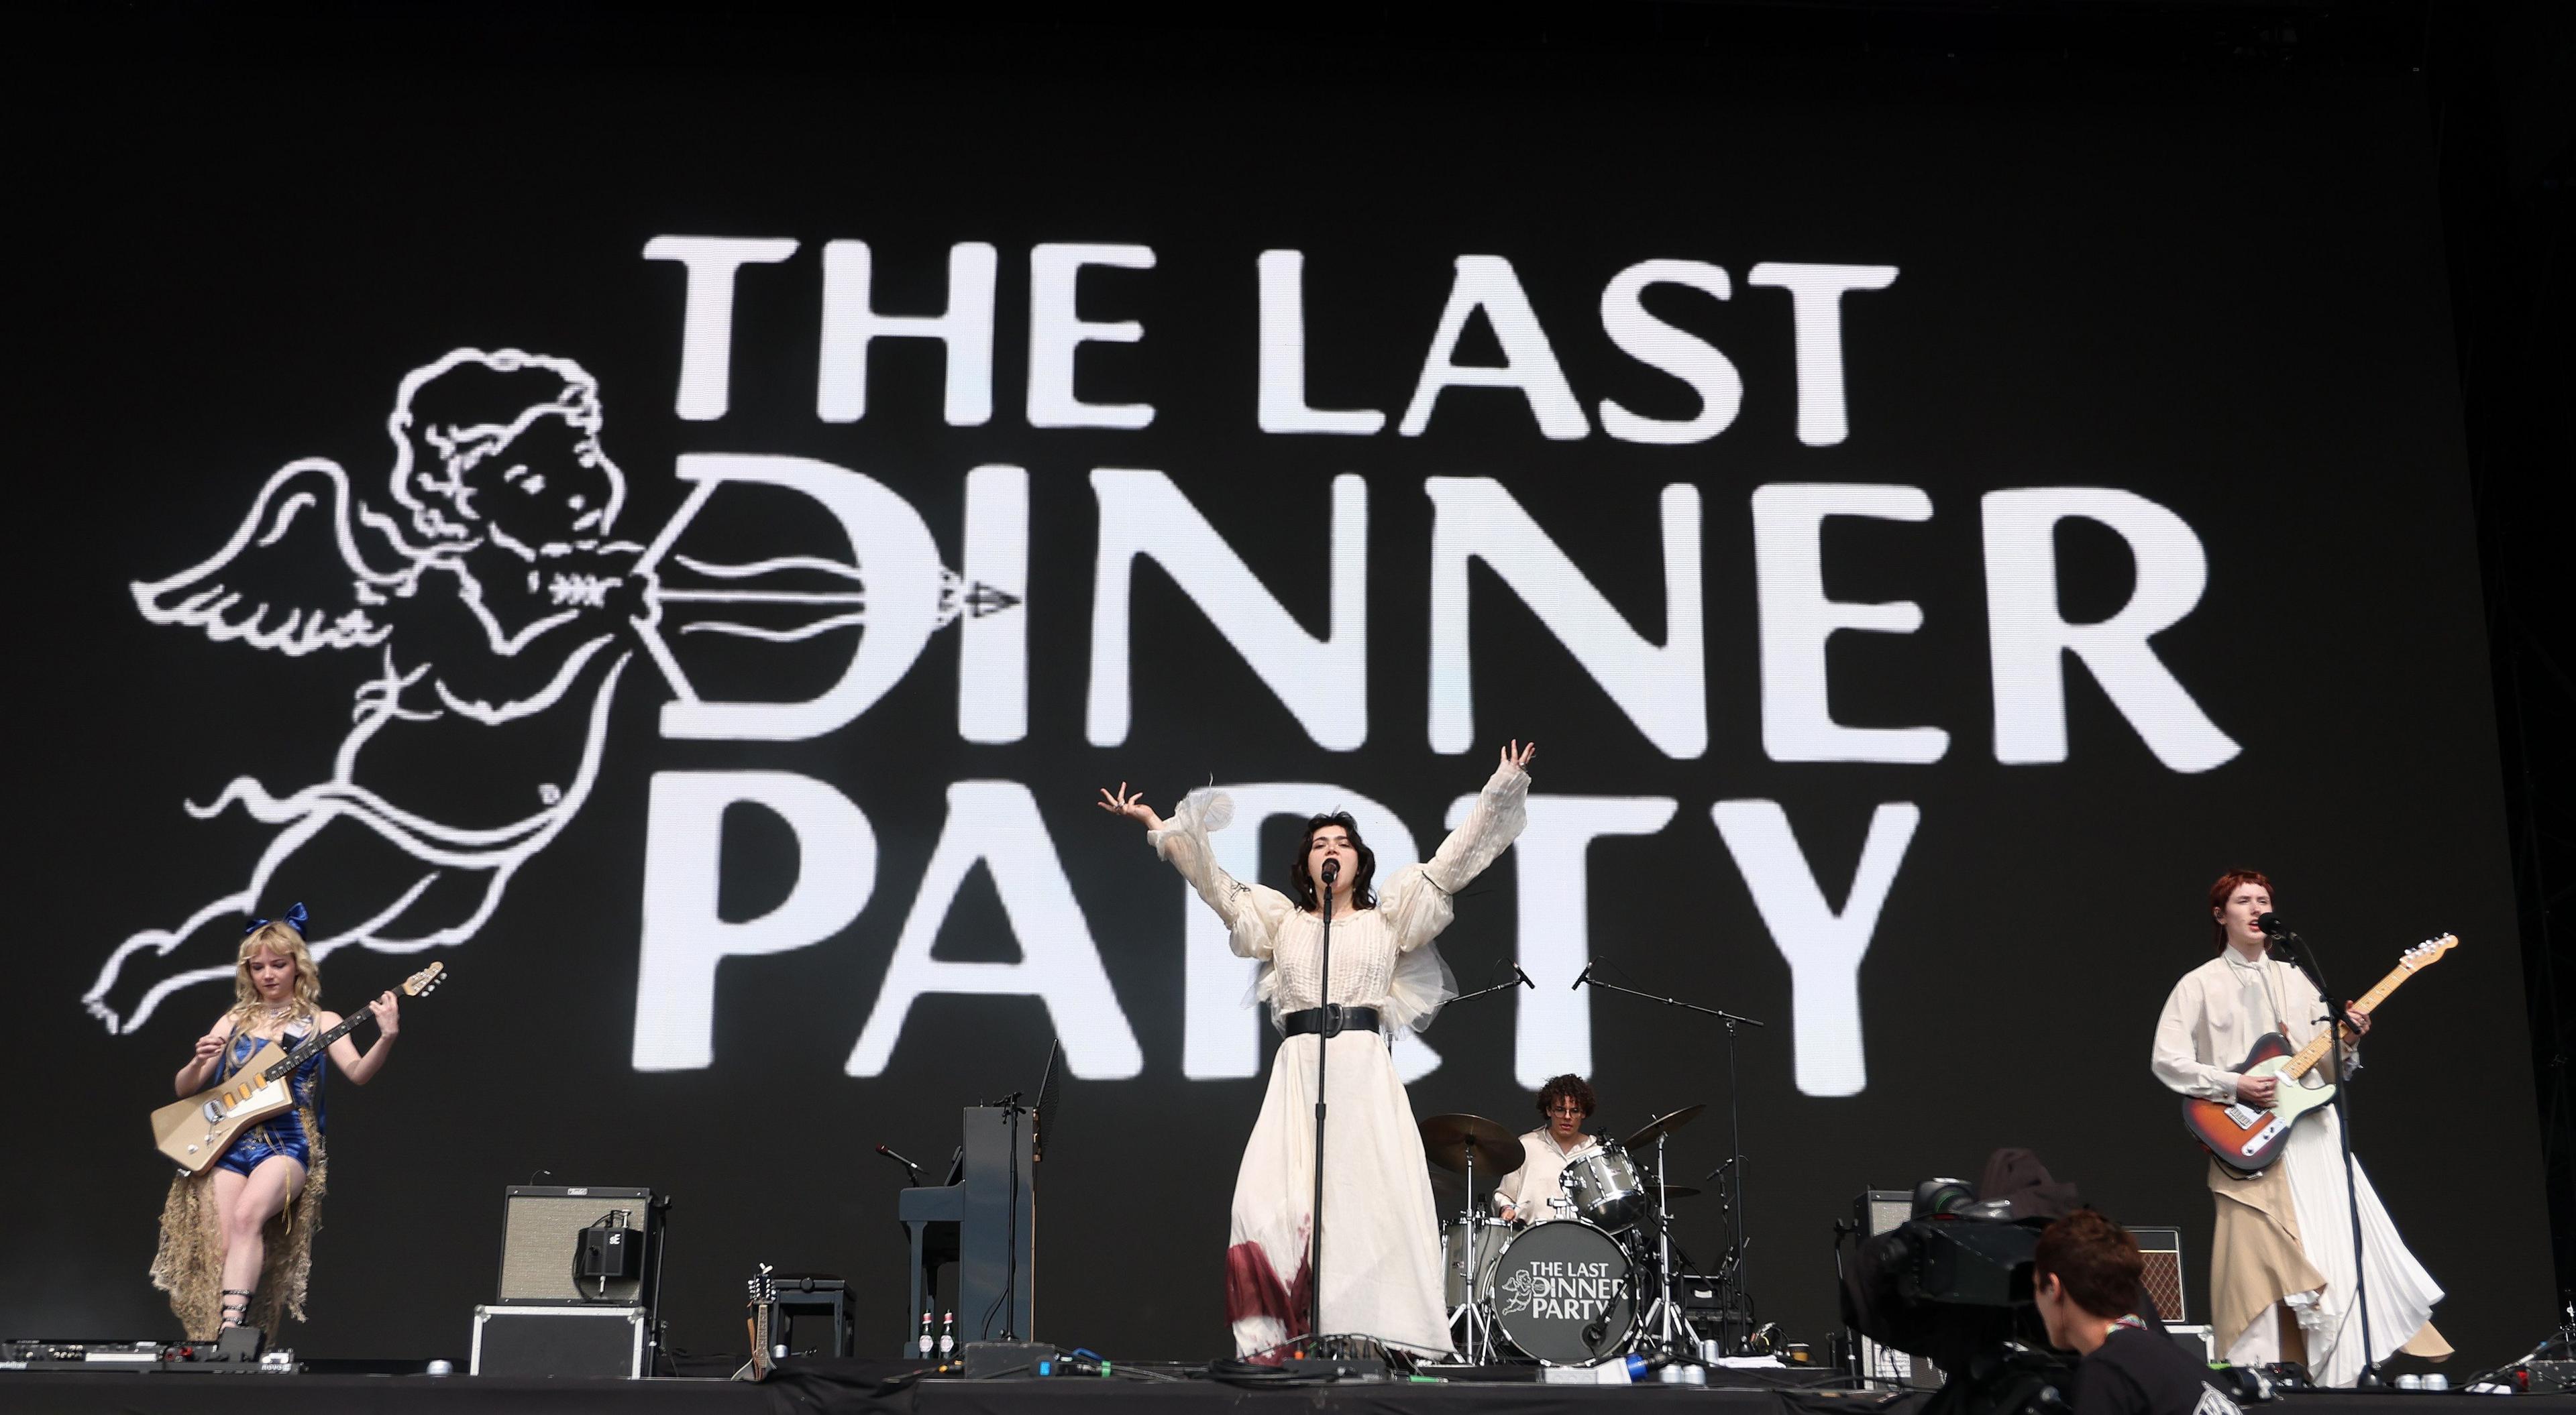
(2315, 1050)
(305, 1049)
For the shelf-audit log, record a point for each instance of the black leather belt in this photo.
(1343, 1019)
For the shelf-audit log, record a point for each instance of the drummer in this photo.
(1531, 1193)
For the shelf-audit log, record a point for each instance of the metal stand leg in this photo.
(1664, 1327)
(1476, 1340)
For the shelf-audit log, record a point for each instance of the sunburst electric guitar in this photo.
(2246, 1139)
(196, 1131)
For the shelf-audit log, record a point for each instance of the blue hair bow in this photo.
(294, 920)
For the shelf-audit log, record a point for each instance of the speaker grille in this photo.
(541, 1233)
(2162, 1248)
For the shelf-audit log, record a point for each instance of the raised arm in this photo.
(1252, 914)
(1417, 899)
(1491, 825)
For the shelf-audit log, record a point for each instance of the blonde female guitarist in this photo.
(2281, 1266)
(241, 1231)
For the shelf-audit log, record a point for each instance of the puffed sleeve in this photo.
(2177, 1057)
(1417, 899)
(1252, 913)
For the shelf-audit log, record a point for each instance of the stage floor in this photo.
(824, 1392)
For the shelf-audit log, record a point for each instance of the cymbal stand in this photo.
(1476, 1344)
(1734, 1264)
(1664, 1326)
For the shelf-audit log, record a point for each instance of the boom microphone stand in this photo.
(1479, 1345)
(1734, 1265)
(1518, 979)
(2293, 949)
(1323, 1048)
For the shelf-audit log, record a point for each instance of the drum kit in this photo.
(1562, 1287)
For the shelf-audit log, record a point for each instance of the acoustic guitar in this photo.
(2245, 1138)
(194, 1133)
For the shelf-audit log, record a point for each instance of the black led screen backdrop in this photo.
(686, 554)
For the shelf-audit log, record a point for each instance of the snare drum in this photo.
(1491, 1234)
(1602, 1183)
(1560, 1293)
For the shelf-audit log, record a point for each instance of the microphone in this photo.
(907, 1164)
(2271, 925)
(1584, 977)
(1332, 869)
(1524, 977)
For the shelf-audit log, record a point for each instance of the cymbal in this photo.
(1446, 1140)
(1663, 1125)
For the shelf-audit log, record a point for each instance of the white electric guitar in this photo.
(195, 1132)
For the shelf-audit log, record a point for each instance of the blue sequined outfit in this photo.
(282, 1133)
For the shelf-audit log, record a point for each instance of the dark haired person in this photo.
(2085, 1281)
(1533, 1192)
(1381, 1234)
(2280, 1266)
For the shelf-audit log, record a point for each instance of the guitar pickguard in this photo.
(222, 1120)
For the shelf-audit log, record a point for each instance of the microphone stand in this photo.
(1522, 981)
(1323, 1047)
(2296, 952)
(1735, 1263)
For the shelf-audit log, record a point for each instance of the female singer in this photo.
(220, 1250)
(1381, 1247)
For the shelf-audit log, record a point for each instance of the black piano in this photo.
(985, 1221)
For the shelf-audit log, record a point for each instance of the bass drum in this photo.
(1561, 1294)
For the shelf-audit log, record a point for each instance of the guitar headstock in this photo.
(763, 1288)
(426, 981)
(2427, 952)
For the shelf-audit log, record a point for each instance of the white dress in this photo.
(1381, 1233)
(2210, 1022)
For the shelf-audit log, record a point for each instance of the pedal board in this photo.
(2548, 1377)
(141, 1357)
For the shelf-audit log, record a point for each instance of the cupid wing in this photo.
(292, 577)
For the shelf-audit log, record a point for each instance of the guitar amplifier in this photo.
(1882, 1367)
(2162, 1248)
(542, 1241)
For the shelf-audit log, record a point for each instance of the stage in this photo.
(853, 1387)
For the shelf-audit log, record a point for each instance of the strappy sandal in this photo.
(234, 1313)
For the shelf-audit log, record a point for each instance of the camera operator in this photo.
(2084, 1279)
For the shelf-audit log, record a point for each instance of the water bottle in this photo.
(925, 1336)
(948, 1337)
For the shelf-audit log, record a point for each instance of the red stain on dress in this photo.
(1253, 1289)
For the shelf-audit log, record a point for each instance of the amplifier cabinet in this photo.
(2162, 1248)
(541, 1238)
(591, 1342)
(1882, 1367)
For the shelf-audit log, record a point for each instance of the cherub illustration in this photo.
(503, 541)
(498, 609)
